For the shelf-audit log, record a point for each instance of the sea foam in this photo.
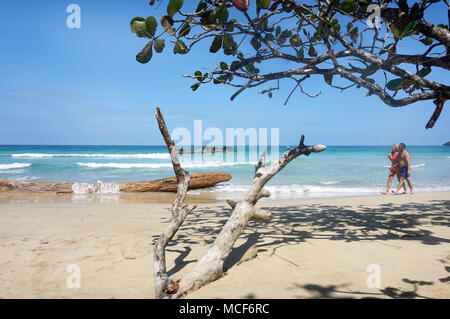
(99, 187)
(45, 155)
(162, 165)
(14, 165)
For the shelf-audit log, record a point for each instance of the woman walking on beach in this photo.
(394, 169)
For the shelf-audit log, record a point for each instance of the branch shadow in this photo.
(326, 292)
(236, 253)
(294, 224)
(180, 263)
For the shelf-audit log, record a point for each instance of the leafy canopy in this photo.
(349, 43)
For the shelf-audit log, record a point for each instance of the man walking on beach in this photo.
(404, 162)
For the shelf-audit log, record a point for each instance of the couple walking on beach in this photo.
(400, 167)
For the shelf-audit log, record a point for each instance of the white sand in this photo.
(311, 248)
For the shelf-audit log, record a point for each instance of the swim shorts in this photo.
(405, 171)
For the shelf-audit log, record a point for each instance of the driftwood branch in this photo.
(163, 285)
(210, 267)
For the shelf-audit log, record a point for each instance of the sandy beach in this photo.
(318, 248)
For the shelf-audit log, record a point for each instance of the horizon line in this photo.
(161, 145)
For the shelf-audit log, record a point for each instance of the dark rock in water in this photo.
(198, 180)
(207, 149)
(447, 144)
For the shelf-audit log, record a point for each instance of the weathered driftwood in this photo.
(163, 285)
(197, 181)
(210, 267)
(7, 185)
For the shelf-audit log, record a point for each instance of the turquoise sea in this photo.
(338, 171)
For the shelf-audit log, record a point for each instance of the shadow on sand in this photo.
(294, 224)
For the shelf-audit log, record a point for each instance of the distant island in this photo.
(447, 144)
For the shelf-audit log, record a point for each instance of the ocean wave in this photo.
(162, 165)
(98, 188)
(295, 190)
(26, 178)
(330, 183)
(45, 155)
(412, 166)
(14, 165)
(286, 189)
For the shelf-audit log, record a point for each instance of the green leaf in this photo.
(146, 54)
(174, 6)
(277, 31)
(223, 66)
(256, 44)
(263, 4)
(269, 37)
(159, 45)
(395, 84)
(301, 53)
(222, 14)
(395, 29)
(403, 5)
(328, 78)
(138, 27)
(354, 34)
(185, 29)
(198, 75)
(415, 12)
(349, 27)
(371, 69)
(216, 44)
(195, 86)
(295, 40)
(180, 48)
(235, 65)
(409, 28)
(348, 5)
(151, 25)
(312, 51)
(424, 71)
(201, 6)
(427, 41)
(228, 41)
(167, 23)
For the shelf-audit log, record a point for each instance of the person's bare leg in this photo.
(411, 191)
(402, 182)
(389, 183)
(399, 177)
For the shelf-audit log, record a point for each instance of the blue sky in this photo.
(83, 86)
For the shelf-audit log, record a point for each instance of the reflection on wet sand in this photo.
(156, 197)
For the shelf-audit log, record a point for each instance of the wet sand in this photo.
(318, 248)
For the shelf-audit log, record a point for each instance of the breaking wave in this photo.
(162, 165)
(310, 191)
(45, 155)
(14, 165)
(99, 187)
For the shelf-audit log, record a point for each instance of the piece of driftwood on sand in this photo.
(198, 181)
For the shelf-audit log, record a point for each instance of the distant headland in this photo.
(447, 144)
